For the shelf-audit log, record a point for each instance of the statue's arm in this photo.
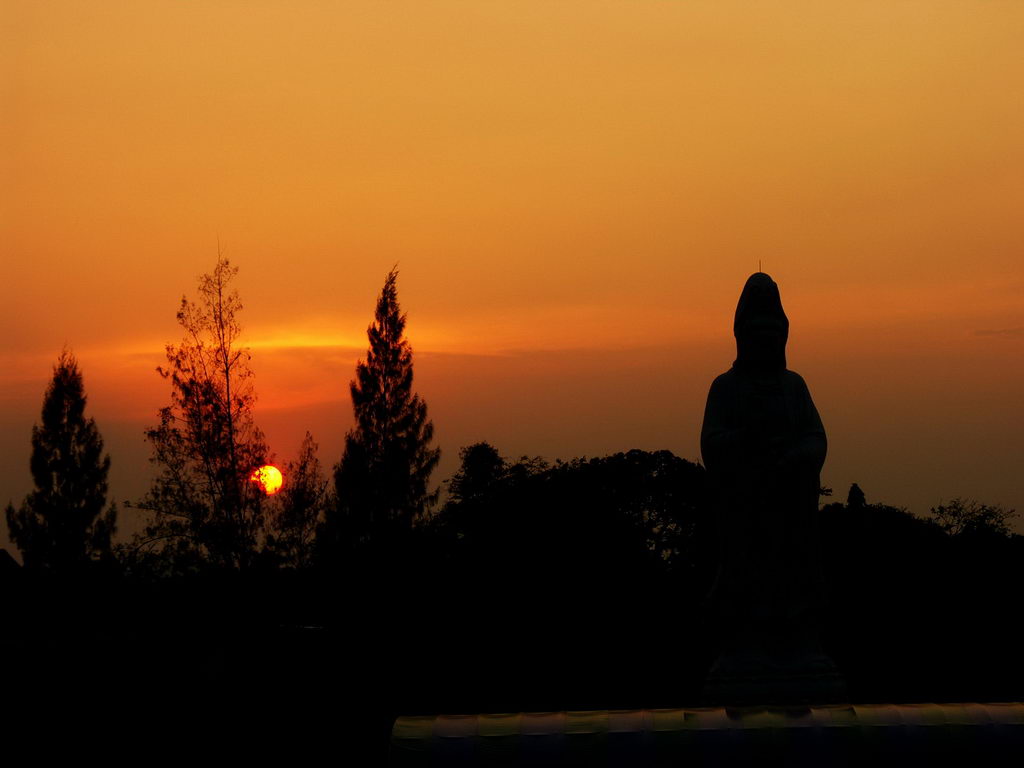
(720, 435)
(811, 444)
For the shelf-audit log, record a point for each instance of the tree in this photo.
(381, 481)
(61, 524)
(207, 444)
(480, 468)
(645, 507)
(480, 484)
(963, 517)
(298, 509)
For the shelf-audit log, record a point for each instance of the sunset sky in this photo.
(575, 193)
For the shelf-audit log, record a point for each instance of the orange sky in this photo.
(575, 192)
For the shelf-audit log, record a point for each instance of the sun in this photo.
(268, 478)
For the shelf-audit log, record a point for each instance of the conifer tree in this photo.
(381, 483)
(297, 511)
(61, 524)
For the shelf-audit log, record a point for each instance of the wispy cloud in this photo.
(1002, 333)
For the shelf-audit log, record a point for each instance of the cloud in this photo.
(1003, 333)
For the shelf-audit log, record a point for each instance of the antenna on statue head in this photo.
(758, 265)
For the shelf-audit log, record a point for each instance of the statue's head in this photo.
(761, 326)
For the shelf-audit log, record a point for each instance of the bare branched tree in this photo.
(207, 444)
(960, 517)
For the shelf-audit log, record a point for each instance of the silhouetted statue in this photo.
(764, 445)
(856, 499)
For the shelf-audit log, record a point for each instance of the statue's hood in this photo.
(761, 326)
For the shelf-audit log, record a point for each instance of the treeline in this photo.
(351, 597)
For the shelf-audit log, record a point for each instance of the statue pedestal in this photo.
(774, 663)
(751, 677)
(836, 735)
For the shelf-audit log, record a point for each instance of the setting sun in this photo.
(268, 478)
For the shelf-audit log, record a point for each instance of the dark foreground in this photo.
(301, 665)
(296, 667)
(835, 735)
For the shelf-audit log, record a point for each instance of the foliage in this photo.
(480, 468)
(576, 516)
(659, 492)
(206, 444)
(381, 482)
(60, 525)
(298, 509)
(967, 517)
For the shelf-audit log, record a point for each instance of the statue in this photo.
(763, 445)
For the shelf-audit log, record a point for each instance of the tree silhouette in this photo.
(381, 481)
(635, 507)
(60, 524)
(206, 444)
(967, 517)
(482, 487)
(298, 509)
(481, 467)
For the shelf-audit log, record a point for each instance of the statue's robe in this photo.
(764, 445)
